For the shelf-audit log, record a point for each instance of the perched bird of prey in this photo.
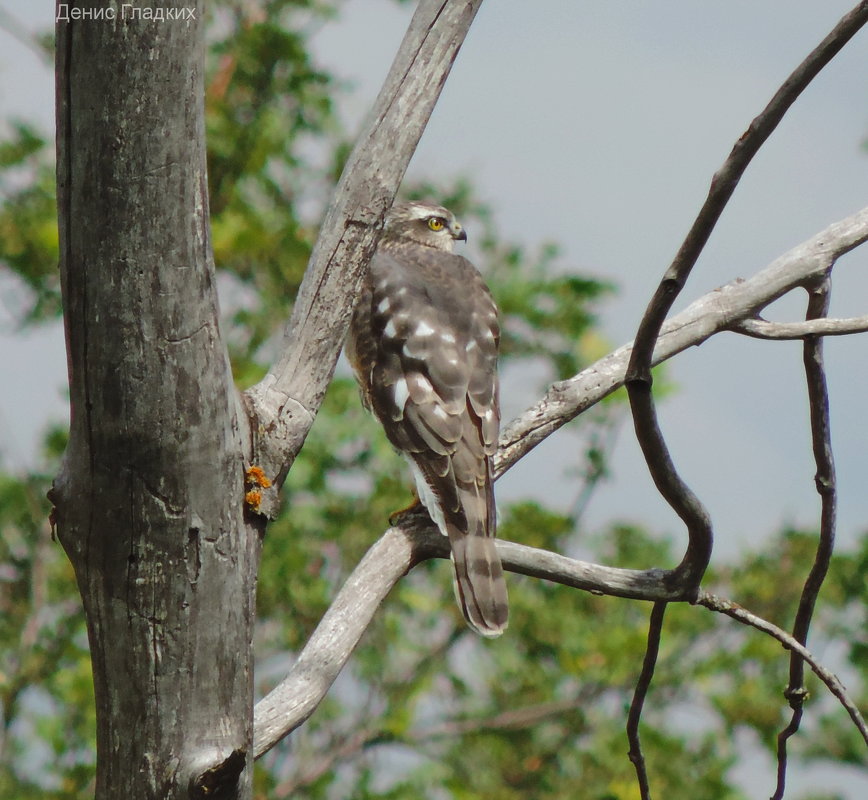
(423, 343)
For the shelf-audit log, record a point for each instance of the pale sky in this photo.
(598, 125)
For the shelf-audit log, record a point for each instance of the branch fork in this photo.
(319, 323)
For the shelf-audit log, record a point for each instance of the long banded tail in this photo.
(479, 583)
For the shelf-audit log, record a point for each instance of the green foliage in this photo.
(425, 709)
(28, 220)
(267, 108)
(46, 691)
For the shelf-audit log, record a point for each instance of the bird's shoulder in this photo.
(435, 277)
(419, 259)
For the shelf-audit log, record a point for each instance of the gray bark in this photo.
(149, 499)
(149, 502)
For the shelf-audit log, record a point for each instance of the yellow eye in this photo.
(436, 223)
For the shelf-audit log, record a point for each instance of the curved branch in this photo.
(639, 380)
(284, 404)
(331, 644)
(725, 180)
(397, 551)
(720, 310)
(821, 437)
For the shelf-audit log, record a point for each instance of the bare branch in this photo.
(285, 403)
(333, 641)
(821, 437)
(724, 606)
(781, 754)
(649, 584)
(292, 702)
(639, 380)
(763, 329)
(712, 313)
(655, 628)
(725, 180)
(392, 556)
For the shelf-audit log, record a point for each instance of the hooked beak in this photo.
(459, 233)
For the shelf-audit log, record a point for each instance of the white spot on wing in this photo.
(447, 337)
(424, 329)
(471, 345)
(401, 393)
(389, 331)
(384, 305)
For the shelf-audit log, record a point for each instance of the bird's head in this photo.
(424, 223)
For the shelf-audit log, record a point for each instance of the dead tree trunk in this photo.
(148, 502)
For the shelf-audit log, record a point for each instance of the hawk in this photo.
(423, 343)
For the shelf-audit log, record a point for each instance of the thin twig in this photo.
(655, 628)
(737, 612)
(821, 438)
(764, 329)
(639, 379)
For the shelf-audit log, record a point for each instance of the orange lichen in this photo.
(255, 476)
(252, 499)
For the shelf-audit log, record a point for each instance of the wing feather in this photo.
(431, 372)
